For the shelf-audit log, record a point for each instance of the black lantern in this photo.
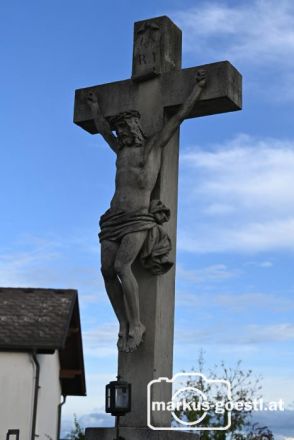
(118, 397)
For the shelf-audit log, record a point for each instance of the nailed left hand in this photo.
(92, 101)
(201, 77)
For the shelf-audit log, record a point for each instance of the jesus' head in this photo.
(128, 129)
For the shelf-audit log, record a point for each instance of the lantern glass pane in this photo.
(121, 397)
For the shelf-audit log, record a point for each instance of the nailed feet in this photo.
(122, 337)
(129, 341)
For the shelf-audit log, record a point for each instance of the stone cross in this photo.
(157, 88)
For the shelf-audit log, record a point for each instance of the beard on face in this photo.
(132, 137)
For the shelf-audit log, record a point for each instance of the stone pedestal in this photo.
(138, 434)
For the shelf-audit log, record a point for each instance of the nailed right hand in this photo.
(201, 77)
(93, 101)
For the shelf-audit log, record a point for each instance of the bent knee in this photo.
(108, 272)
(121, 268)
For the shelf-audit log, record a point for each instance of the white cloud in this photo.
(257, 36)
(280, 422)
(270, 333)
(218, 209)
(21, 266)
(261, 171)
(237, 302)
(100, 342)
(52, 262)
(264, 301)
(251, 237)
(266, 264)
(216, 272)
(97, 420)
(243, 335)
(259, 31)
(238, 196)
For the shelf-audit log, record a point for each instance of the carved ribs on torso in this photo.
(135, 179)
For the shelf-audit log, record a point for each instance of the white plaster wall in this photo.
(49, 396)
(16, 393)
(17, 382)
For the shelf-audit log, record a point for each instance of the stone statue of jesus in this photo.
(132, 225)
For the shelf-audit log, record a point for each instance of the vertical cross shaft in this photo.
(157, 49)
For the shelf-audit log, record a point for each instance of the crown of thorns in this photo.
(113, 120)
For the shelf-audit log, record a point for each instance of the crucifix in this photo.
(140, 118)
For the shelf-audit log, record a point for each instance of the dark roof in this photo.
(45, 320)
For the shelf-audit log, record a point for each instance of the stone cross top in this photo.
(157, 90)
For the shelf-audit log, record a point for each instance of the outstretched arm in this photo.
(101, 123)
(161, 139)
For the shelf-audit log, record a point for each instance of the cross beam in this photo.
(222, 94)
(157, 88)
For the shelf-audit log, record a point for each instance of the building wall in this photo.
(16, 393)
(49, 396)
(17, 381)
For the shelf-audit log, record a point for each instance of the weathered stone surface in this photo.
(157, 48)
(222, 94)
(138, 434)
(154, 358)
(157, 91)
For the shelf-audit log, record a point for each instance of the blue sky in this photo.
(236, 202)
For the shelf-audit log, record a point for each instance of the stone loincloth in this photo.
(154, 255)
